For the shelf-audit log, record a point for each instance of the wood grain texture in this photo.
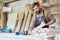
(28, 21)
(20, 21)
(25, 19)
(2, 18)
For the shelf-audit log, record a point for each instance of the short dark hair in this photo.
(35, 4)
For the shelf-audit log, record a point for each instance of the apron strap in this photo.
(43, 12)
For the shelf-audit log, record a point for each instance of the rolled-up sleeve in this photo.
(50, 17)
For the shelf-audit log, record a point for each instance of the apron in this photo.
(38, 22)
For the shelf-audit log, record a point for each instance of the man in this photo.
(42, 19)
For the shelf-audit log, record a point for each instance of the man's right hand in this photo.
(41, 25)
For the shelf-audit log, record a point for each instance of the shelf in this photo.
(8, 1)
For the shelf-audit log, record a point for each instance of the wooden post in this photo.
(25, 19)
(40, 1)
(20, 21)
(1, 7)
(2, 18)
(28, 21)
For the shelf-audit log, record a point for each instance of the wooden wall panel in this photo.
(4, 20)
(1, 14)
(40, 1)
(58, 9)
(7, 1)
(55, 8)
(1, 7)
(57, 21)
(28, 21)
(20, 21)
(25, 19)
(11, 20)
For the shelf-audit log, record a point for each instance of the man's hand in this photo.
(42, 24)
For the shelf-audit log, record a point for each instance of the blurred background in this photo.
(14, 13)
(18, 14)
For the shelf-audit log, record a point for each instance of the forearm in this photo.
(51, 22)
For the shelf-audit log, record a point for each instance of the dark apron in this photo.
(38, 22)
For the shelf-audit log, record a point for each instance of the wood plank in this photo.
(1, 7)
(32, 22)
(20, 21)
(33, 19)
(28, 21)
(2, 18)
(25, 19)
(12, 17)
(8, 1)
(5, 16)
(40, 1)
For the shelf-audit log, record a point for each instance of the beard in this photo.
(38, 12)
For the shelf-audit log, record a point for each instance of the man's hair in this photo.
(35, 4)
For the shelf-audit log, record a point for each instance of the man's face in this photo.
(36, 8)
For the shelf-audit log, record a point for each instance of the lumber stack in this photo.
(25, 19)
(1, 15)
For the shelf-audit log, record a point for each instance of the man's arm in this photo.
(50, 22)
(52, 19)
